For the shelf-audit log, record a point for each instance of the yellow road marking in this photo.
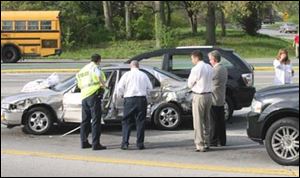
(76, 70)
(278, 172)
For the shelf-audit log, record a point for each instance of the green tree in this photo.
(247, 13)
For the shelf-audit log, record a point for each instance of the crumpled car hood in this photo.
(31, 95)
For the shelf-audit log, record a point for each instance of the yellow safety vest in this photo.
(88, 81)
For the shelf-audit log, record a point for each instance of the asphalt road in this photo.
(169, 153)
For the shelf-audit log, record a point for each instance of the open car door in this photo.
(72, 102)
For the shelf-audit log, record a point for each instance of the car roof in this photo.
(182, 49)
(124, 66)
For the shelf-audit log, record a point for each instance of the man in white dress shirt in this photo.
(134, 86)
(200, 81)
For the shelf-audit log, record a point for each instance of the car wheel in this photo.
(228, 109)
(282, 141)
(39, 121)
(167, 117)
(10, 54)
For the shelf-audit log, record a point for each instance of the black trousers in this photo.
(218, 126)
(135, 111)
(91, 118)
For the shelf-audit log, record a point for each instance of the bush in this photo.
(142, 29)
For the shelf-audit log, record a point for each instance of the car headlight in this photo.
(256, 106)
(5, 105)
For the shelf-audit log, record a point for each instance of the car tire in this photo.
(168, 117)
(10, 54)
(228, 108)
(276, 141)
(38, 121)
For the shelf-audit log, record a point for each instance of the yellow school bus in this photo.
(29, 34)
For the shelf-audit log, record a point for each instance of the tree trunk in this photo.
(107, 15)
(158, 22)
(210, 24)
(128, 19)
(223, 24)
(194, 24)
(162, 12)
(169, 13)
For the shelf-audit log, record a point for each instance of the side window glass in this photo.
(33, 25)
(225, 62)
(182, 61)
(7, 25)
(46, 25)
(153, 80)
(156, 61)
(20, 25)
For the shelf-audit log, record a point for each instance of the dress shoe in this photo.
(124, 147)
(99, 147)
(141, 147)
(86, 145)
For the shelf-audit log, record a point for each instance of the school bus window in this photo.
(7, 25)
(33, 25)
(20, 25)
(46, 25)
(49, 43)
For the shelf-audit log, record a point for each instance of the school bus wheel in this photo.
(10, 54)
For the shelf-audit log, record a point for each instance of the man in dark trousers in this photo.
(218, 127)
(134, 86)
(91, 81)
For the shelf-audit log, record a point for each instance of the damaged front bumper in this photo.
(11, 119)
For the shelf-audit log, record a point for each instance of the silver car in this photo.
(288, 28)
(169, 102)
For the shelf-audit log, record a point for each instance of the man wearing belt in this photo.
(200, 81)
(91, 81)
(218, 127)
(134, 87)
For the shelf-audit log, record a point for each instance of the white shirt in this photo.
(283, 73)
(134, 83)
(200, 79)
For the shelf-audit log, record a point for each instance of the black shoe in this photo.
(99, 147)
(223, 142)
(86, 145)
(141, 147)
(214, 145)
(124, 147)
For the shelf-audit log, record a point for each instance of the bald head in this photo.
(134, 64)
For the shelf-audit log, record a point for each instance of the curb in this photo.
(7, 71)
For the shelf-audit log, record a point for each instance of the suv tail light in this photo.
(248, 79)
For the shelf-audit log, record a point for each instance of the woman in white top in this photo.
(283, 68)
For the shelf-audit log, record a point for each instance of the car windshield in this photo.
(64, 84)
(175, 77)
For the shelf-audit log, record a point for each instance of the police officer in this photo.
(91, 81)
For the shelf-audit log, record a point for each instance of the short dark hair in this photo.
(197, 54)
(95, 58)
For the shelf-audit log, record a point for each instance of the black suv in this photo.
(274, 118)
(240, 90)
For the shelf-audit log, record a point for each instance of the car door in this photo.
(72, 102)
